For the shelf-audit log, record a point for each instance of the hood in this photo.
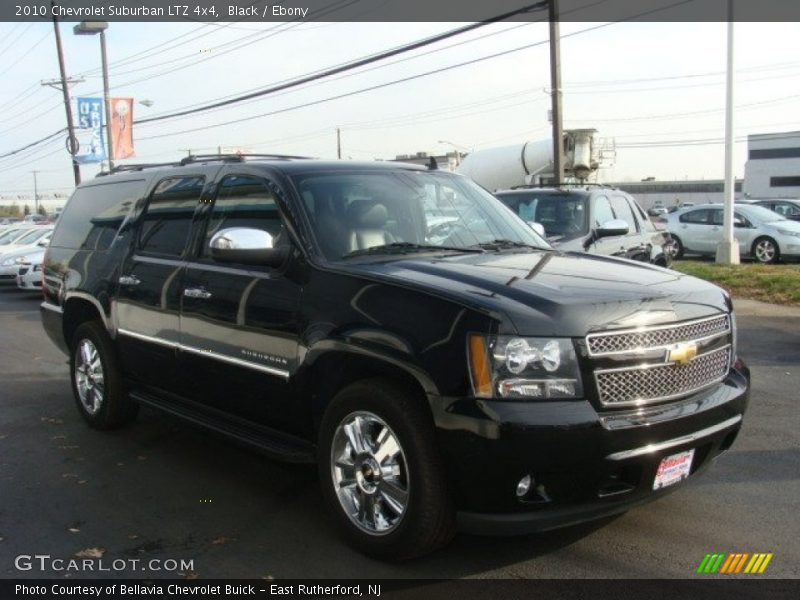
(552, 293)
(786, 225)
(15, 251)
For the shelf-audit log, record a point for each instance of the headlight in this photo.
(521, 367)
(789, 233)
(8, 262)
(22, 259)
(37, 267)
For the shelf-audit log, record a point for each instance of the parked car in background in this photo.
(598, 220)
(29, 270)
(6, 222)
(11, 261)
(12, 233)
(785, 207)
(31, 237)
(762, 234)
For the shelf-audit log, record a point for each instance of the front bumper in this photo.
(585, 464)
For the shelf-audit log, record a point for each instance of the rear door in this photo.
(694, 230)
(239, 323)
(147, 306)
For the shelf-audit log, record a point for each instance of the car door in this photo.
(637, 246)
(601, 212)
(694, 228)
(147, 304)
(239, 323)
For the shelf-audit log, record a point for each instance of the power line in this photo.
(352, 65)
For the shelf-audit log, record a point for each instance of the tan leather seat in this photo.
(366, 221)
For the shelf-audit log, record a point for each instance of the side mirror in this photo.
(537, 227)
(248, 246)
(739, 222)
(612, 228)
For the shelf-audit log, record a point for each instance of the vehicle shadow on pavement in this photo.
(164, 489)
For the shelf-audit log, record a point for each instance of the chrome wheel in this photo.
(370, 473)
(765, 251)
(89, 376)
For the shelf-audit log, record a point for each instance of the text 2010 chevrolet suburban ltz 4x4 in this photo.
(442, 364)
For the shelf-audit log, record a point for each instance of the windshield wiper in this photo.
(406, 248)
(501, 244)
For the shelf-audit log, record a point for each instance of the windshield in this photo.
(11, 235)
(562, 214)
(761, 214)
(397, 212)
(32, 237)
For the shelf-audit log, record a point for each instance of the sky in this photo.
(648, 88)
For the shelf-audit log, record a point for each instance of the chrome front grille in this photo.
(639, 340)
(642, 384)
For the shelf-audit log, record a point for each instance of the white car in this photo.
(11, 261)
(29, 274)
(13, 232)
(762, 234)
(30, 238)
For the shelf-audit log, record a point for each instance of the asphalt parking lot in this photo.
(162, 489)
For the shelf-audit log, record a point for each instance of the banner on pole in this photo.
(121, 128)
(90, 131)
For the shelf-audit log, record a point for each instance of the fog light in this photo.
(524, 486)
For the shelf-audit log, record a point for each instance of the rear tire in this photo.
(381, 473)
(97, 382)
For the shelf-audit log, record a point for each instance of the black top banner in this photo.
(255, 11)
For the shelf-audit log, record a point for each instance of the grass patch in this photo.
(779, 284)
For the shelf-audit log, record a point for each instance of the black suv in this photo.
(400, 327)
(599, 220)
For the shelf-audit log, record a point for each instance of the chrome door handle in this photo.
(129, 280)
(198, 293)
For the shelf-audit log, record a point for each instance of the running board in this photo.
(276, 445)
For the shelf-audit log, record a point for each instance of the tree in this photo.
(42, 210)
(26, 210)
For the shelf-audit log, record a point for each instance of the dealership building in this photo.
(772, 169)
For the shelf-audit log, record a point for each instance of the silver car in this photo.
(762, 234)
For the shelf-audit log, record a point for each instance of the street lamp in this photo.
(91, 28)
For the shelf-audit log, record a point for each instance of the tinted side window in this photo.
(244, 201)
(94, 214)
(717, 216)
(602, 211)
(695, 216)
(167, 220)
(623, 211)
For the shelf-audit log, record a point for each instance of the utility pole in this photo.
(338, 143)
(72, 142)
(106, 101)
(555, 93)
(728, 247)
(35, 193)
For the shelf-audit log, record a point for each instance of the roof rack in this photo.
(562, 184)
(193, 158)
(196, 158)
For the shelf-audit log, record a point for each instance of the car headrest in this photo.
(366, 214)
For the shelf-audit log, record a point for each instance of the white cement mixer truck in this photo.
(532, 162)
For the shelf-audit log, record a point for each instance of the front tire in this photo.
(765, 250)
(97, 383)
(381, 473)
(676, 248)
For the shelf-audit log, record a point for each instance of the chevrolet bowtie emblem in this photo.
(682, 354)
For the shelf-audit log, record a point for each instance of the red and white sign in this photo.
(673, 468)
